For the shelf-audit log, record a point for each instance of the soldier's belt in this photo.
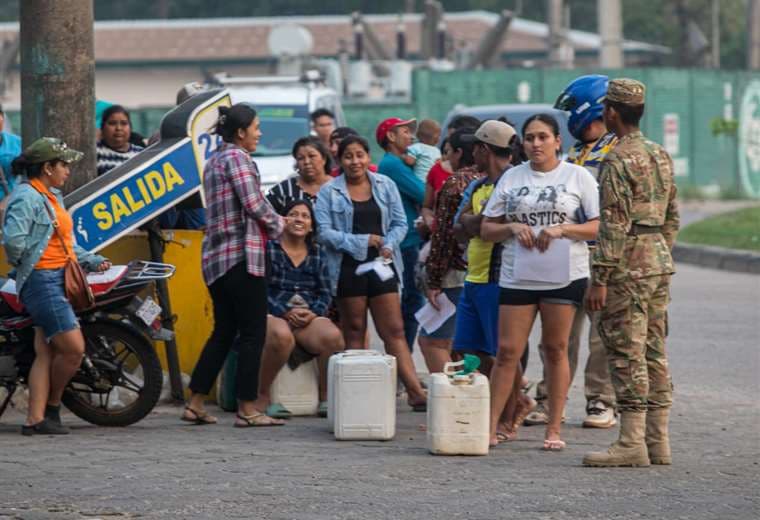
(639, 229)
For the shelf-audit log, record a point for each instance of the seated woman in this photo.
(298, 294)
(361, 218)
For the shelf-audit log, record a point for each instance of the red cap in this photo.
(390, 123)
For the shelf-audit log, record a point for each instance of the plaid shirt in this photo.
(238, 217)
(310, 280)
(446, 253)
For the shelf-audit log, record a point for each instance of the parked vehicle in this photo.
(120, 379)
(517, 114)
(284, 104)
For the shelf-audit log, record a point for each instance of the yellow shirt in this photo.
(479, 252)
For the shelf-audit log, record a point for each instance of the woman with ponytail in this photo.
(239, 221)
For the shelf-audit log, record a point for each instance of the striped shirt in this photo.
(282, 194)
(108, 158)
(238, 217)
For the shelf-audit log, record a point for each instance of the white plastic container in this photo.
(297, 390)
(361, 390)
(458, 413)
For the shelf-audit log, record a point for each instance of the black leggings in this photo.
(240, 309)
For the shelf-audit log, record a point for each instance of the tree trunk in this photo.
(58, 78)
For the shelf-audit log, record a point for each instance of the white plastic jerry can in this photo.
(297, 390)
(361, 395)
(458, 413)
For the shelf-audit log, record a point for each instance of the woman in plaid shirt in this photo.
(239, 221)
(299, 295)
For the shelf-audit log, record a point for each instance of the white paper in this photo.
(108, 276)
(379, 265)
(551, 266)
(432, 319)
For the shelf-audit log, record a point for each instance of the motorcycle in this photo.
(120, 379)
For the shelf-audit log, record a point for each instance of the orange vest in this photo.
(54, 256)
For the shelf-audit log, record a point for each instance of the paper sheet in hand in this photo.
(383, 270)
(432, 319)
(551, 266)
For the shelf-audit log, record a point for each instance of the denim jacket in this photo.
(27, 228)
(335, 222)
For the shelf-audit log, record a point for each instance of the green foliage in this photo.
(719, 126)
(737, 230)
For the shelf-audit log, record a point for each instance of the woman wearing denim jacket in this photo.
(360, 217)
(35, 250)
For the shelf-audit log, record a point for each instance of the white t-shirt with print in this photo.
(540, 200)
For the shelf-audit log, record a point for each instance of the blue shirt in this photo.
(310, 280)
(412, 192)
(335, 222)
(10, 148)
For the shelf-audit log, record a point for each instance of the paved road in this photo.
(162, 468)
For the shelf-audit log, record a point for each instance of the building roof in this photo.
(243, 39)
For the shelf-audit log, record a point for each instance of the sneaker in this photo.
(540, 415)
(599, 415)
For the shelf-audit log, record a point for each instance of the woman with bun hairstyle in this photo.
(239, 221)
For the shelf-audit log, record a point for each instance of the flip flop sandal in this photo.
(557, 445)
(198, 417)
(505, 436)
(257, 420)
(277, 411)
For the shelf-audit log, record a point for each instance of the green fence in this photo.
(709, 120)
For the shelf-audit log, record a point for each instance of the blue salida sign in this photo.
(154, 180)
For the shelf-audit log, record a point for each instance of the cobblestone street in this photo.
(162, 468)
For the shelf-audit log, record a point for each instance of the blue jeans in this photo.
(411, 297)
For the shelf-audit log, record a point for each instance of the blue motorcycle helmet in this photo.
(583, 98)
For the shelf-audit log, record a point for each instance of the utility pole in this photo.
(561, 53)
(58, 78)
(753, 35)
(715, 34)
(610, 25)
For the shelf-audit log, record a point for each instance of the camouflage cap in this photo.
(626, 91)
(50, 148)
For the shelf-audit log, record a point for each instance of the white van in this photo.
(284, 104)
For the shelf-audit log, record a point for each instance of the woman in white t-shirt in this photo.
(543, 211)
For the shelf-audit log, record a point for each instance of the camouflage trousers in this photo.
(633, 326)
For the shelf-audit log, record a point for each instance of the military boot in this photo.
(630, 449)
(658, 443)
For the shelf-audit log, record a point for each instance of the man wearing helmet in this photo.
(583, 99)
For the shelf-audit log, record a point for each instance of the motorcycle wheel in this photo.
(122, 385)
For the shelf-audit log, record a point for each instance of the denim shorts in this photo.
(445, 331)
(45, 301)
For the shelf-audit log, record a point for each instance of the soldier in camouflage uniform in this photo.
(631, 273)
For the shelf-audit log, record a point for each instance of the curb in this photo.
(717, 258)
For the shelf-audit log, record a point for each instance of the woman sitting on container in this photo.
(313, 170)
(299, 295)
(361, 219)
(114, 147)
(535, 209)
(38, 235)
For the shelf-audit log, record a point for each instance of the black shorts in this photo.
(351, 285)
(570, 295)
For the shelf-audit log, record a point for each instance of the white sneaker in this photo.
(599, 415)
